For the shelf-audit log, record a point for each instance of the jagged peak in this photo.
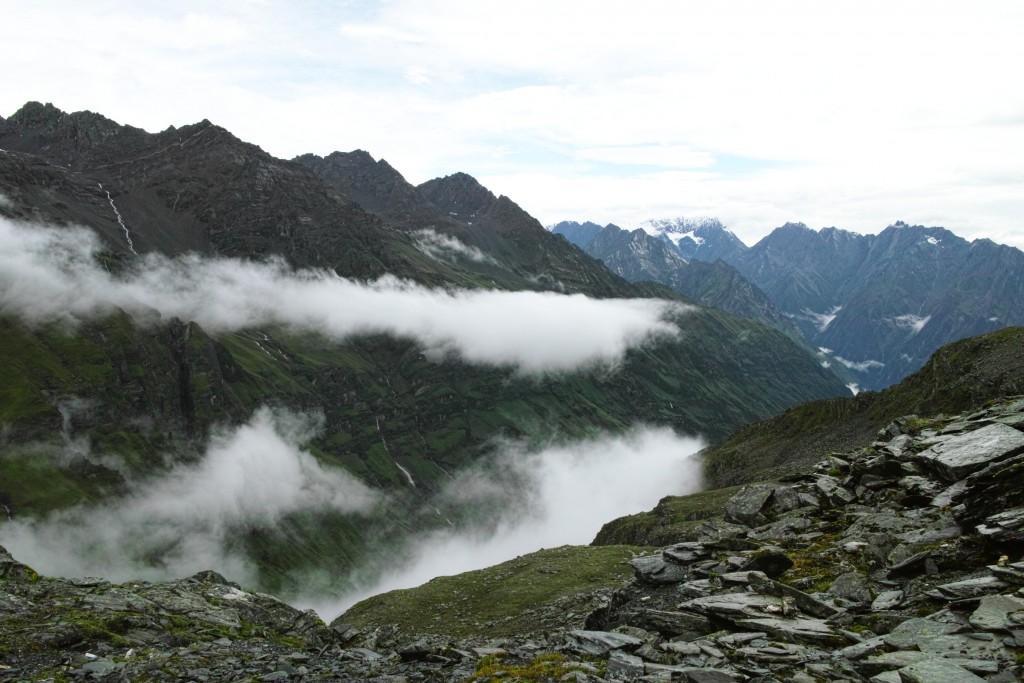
(458, 194)
(36, 111)
(683, 225)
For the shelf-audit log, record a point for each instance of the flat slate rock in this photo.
(602, 642)
(912, 631)
(937, 671)
(971, 588)
(813, 631)
(957, 456)
(624, 667)
(654, 569)
(994, 612)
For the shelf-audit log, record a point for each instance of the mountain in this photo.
(96, 412)
(703, 239)
(637, 256)
(494, 237)
(881, 304)
(579, 234)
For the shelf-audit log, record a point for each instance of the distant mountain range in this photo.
(876, 306)
(668, 257)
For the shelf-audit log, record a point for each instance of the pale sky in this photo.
(852, 114)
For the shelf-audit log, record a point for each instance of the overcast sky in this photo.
(853, 114)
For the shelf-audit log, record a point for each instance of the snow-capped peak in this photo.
(679, 226)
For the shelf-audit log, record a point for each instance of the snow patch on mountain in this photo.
(821, 320)
(676, 229)
(677, 237)
(910, 321)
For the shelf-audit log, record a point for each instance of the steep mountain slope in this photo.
(375, 185)
(883, 303)
(194, 189)
(126, 398)
(957, 377)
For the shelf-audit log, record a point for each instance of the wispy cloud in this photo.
(860, 366)
(51, 274)
(188, 519)
(533, 499)
(446, 248)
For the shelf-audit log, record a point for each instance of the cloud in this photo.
(51, 274)
(861, 366)
(445, 247)
(532, 499)
(187, 520)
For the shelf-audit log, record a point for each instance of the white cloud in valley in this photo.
(853, 114)
(191, 517)
(542, 498)
(51, 274)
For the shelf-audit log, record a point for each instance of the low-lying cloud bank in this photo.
(192, 517)
(188, 519)
(560, 495)
(51, 274)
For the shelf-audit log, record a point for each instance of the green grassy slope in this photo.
(529, 594)
(957, 377)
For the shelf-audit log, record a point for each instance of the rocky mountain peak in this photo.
(790, 226)
(579, 234)
(459, 195)
(375, 185)
(63, 137)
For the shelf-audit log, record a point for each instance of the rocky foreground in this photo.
(895, 563)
